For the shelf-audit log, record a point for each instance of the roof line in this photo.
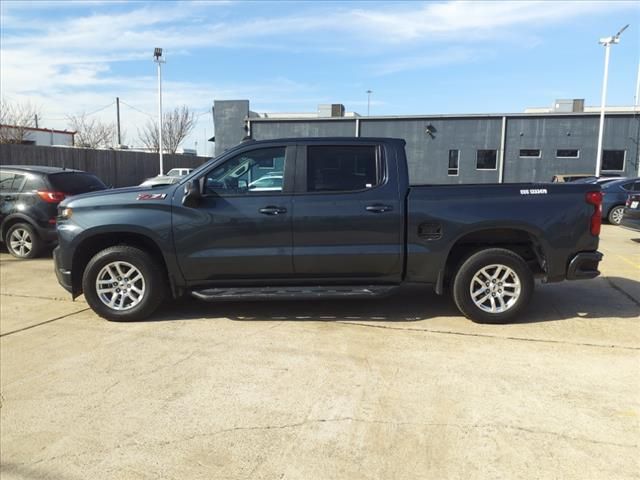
(70, 132)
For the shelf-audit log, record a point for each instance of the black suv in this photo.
(29, 198)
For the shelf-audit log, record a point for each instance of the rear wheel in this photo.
(492, 286)
(22, 241)
(615, 215)
(123, 283)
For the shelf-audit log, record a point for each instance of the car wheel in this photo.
(615, 215)
(22, 241)
(492, 286)
(124, 283)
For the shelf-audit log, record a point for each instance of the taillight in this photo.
(51, 197)
(595, 199)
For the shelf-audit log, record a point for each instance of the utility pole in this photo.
(157, 53)
(606, 42)
(36, 120)
(118, 115)
(369, 92)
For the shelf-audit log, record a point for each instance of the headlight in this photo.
(65, 213)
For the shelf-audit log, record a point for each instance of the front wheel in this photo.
(123, 283)
(492, 286)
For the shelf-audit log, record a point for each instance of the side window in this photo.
(486, 159)
(342, 168)
(6, 180)
(256, 171)
(613, 160)
(34, 182)
(454, 157)
(11, 182)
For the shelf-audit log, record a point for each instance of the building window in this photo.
(567, 153)
(342, 168)
(613, 160)
(530, 153)
(486, 159)
(454, 157)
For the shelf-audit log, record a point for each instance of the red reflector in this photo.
(52, 221)
(51, 197)
(595, 199)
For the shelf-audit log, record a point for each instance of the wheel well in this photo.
(10, 222)
(92, 245)
(519, 242)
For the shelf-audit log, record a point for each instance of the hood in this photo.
(113, 196)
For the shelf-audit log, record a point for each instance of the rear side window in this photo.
(34, 182)
(74, 183)
(342, 168)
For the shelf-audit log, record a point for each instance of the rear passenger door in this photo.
(10, 185)
(348, 218)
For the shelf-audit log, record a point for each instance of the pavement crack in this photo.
(39, 297)
(485, 335)
(622, 291)
(43, 323)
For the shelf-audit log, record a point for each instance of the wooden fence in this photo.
(119, 168)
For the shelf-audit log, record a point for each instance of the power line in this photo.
(136, 109)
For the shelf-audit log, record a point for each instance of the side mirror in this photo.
(192, 194)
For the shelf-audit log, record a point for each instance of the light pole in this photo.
(606, 42)
(369, 92)
(157, 55)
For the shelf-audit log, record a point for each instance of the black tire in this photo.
(464, 277)
(615, 215)
(153, 276)
(23, 241)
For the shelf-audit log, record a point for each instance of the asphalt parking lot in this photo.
(401, 387)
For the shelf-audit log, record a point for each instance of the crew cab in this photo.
(343, 222)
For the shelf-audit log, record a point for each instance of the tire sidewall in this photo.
(154, 286)
(472, 265)
(35, 241)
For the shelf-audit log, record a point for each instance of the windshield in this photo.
(74, 183)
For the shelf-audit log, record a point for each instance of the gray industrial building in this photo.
(441, 149)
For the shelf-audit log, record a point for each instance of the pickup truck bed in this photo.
(326, 217)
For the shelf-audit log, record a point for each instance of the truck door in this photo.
(241, 228)
(348, 214)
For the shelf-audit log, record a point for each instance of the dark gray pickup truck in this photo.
(323, 217)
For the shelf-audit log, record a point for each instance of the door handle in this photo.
(9, 197)
(378, 208)
(270, 210)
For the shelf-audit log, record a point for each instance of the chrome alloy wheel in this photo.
(120, 286)
(495, 288)
(21, 242)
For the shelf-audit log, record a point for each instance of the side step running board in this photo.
(266, 293)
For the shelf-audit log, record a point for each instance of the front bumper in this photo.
(63, 274)
(584, 266)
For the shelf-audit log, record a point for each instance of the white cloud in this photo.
(70, 65)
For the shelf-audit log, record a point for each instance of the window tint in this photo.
(613, 160)
(454, 157)
(530, 153)
(567, 153)
(11, 182)
(34, 182)
(342, 168)
(6, 180)
(75, 183)
(260, 170)
(486, 159)
(631, 186)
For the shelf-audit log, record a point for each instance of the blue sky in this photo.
(417, 57)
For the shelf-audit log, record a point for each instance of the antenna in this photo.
(617, 35)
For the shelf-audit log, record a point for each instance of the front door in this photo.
(241, 228)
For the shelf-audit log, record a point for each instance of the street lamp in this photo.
(369, 92)
(606, 42)
(157, 56)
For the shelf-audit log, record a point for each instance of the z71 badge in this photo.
(533, 191)
(151, 196)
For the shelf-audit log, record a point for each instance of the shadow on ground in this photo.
(604, 297)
